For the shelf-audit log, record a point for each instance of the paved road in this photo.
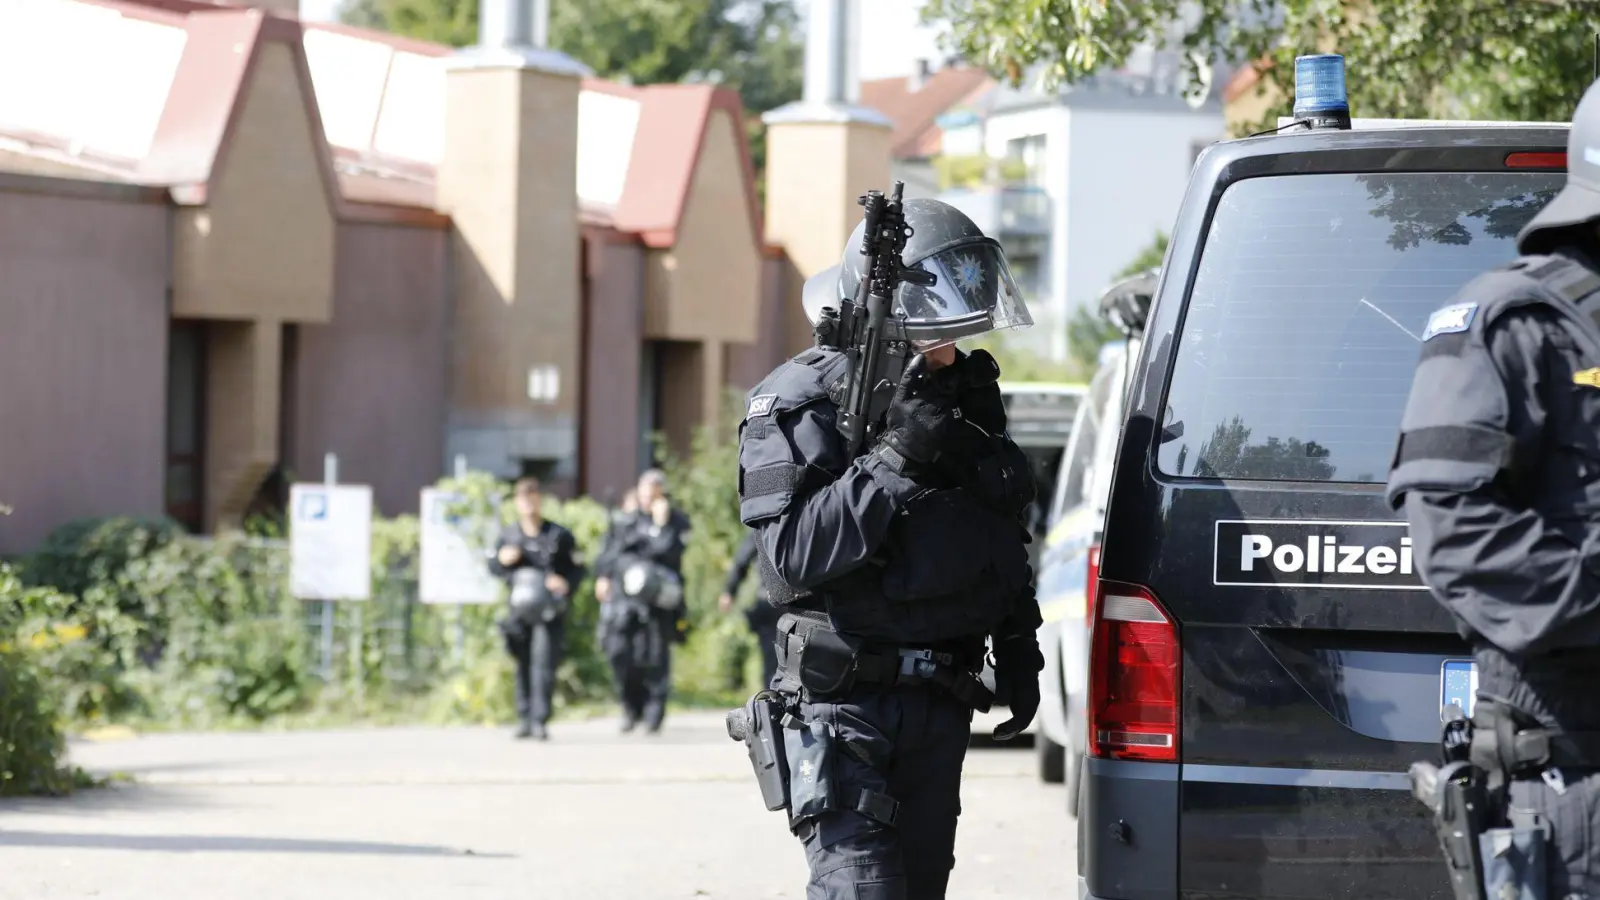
(408, 814)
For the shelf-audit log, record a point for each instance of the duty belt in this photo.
(889, 666)
(1508, 742)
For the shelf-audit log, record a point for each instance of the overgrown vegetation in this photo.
(1492, 59)
(976, 170)
(129, 621)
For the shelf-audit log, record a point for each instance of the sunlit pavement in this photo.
(395, 814)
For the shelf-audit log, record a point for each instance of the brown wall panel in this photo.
(83, 347)
(371, 385)
(614, 292)
(749, 363)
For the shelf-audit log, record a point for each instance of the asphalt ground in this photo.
(398, 814)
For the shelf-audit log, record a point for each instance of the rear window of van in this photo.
(1302, 330)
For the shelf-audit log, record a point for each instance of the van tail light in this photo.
(1133, 677)
(1091, 586)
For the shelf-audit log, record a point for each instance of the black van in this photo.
(1266, 662)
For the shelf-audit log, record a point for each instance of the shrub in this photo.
(31, 743)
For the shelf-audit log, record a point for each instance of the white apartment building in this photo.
(1107, 160)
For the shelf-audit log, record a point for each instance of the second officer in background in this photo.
(640, 588)
(760, 615)
(535, 557)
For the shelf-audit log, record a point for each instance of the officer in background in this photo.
(1498, 471)
(641, 591)
(892, 569)
(761, 616)
(535, 557)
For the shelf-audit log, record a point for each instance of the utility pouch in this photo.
(809, 747)
(759, 725)
(826, 662)
(1514, 859)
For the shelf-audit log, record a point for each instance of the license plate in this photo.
(1458, 686)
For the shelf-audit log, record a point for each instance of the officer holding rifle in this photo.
(887, 504)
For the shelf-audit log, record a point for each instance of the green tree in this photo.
(1524, 59)
(751, 46)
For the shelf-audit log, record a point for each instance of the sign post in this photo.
(330, 547)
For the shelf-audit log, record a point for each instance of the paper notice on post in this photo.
(455, 554)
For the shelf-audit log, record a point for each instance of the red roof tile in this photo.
(913, 112)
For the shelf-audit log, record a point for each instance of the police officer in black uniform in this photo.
(535, 557)
(893, 568)
(641, 593)
(1498, 471)
(761, 616)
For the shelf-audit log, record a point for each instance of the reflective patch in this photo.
(1588, 377)
(1450, 319)
(761, 404)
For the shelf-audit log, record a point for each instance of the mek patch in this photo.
(1450, 319)
(760, 405)
(1587, 377)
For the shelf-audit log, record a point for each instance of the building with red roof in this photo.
(235, 242)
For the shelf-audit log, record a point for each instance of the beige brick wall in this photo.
(708, 286)
(244, 360)
(263, 245)
(815, 172)
(507, 181)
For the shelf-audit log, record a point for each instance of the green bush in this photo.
(134, 622)
(31, 743)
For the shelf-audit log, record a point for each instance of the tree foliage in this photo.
(1495, 59)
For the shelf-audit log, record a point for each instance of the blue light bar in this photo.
(1319, 90)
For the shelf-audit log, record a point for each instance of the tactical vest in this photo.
(1457, 440)
(950, 567)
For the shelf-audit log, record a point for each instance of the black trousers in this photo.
(535, 649)
(1572, 860)
(641, 664)
(911, 743)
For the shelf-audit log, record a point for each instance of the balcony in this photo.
(1004, 211)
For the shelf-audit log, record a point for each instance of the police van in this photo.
(1265, 660)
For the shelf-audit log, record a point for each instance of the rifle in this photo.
(873, 341)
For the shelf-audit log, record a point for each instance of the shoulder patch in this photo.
(1450, 319)
(1587, 377)
(760, 405)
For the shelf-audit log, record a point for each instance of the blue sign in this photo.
(314, 506)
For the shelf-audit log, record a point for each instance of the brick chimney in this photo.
(823, 152)
(508, 180)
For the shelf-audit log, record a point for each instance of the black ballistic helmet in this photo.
(1579, 202)
(973, 292)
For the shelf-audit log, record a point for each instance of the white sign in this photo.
(455, 562)
(330, 541)
(544, 384)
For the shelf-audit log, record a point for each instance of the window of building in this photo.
(1030, 151)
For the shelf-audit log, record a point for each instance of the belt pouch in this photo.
(1514, 862)
(826, 661)
(809, 747)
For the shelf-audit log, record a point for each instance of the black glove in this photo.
(976, 376)
(1017, 662)
(919, 421)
